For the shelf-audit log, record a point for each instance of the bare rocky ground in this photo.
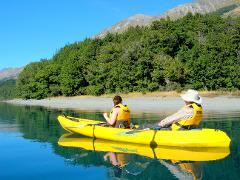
(139, 104)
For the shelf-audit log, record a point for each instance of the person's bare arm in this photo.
(181, 114)
(112, 120)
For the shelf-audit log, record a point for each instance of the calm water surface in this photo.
(29, 149)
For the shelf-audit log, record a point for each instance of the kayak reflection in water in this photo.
(120, 115)
(184, 169)
(118, 161)
(186, 118)
(122, 165)
(180, 169)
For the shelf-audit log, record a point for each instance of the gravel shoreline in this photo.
(141, 104)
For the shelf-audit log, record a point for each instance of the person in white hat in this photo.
(186, 118)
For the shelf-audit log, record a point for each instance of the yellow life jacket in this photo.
(193, 121)
(194, 168)
(122, 160)
(123, 115)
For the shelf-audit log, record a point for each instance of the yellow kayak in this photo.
(189, 138)
(159, 152)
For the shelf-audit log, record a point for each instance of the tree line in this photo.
(7, 89)
(196, 51)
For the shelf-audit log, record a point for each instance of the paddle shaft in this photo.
(84, 125)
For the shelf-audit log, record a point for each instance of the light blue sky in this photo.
(35, 29)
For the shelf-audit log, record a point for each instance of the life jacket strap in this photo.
(122, 124)
(188, 127)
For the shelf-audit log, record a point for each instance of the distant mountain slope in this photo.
(216, 4)
(9, 73)
(136, 20)
(234, 12)
(198, 6)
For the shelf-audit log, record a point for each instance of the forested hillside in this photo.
(7, 89)
(196, 51)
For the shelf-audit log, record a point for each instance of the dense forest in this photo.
(7, 89)
(196, 51)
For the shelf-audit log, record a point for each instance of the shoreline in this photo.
(137, 104)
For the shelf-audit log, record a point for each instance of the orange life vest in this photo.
(123, 115)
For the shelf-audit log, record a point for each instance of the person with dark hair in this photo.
(120, 115)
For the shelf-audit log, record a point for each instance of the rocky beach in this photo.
(138, 104)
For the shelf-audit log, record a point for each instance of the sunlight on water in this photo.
(35, 146)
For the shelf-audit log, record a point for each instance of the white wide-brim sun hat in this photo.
(191, 96)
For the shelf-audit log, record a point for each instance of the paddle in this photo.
(84, 125)
(137, 131)
(142, 130)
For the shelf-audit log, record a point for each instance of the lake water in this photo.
(29, 149)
